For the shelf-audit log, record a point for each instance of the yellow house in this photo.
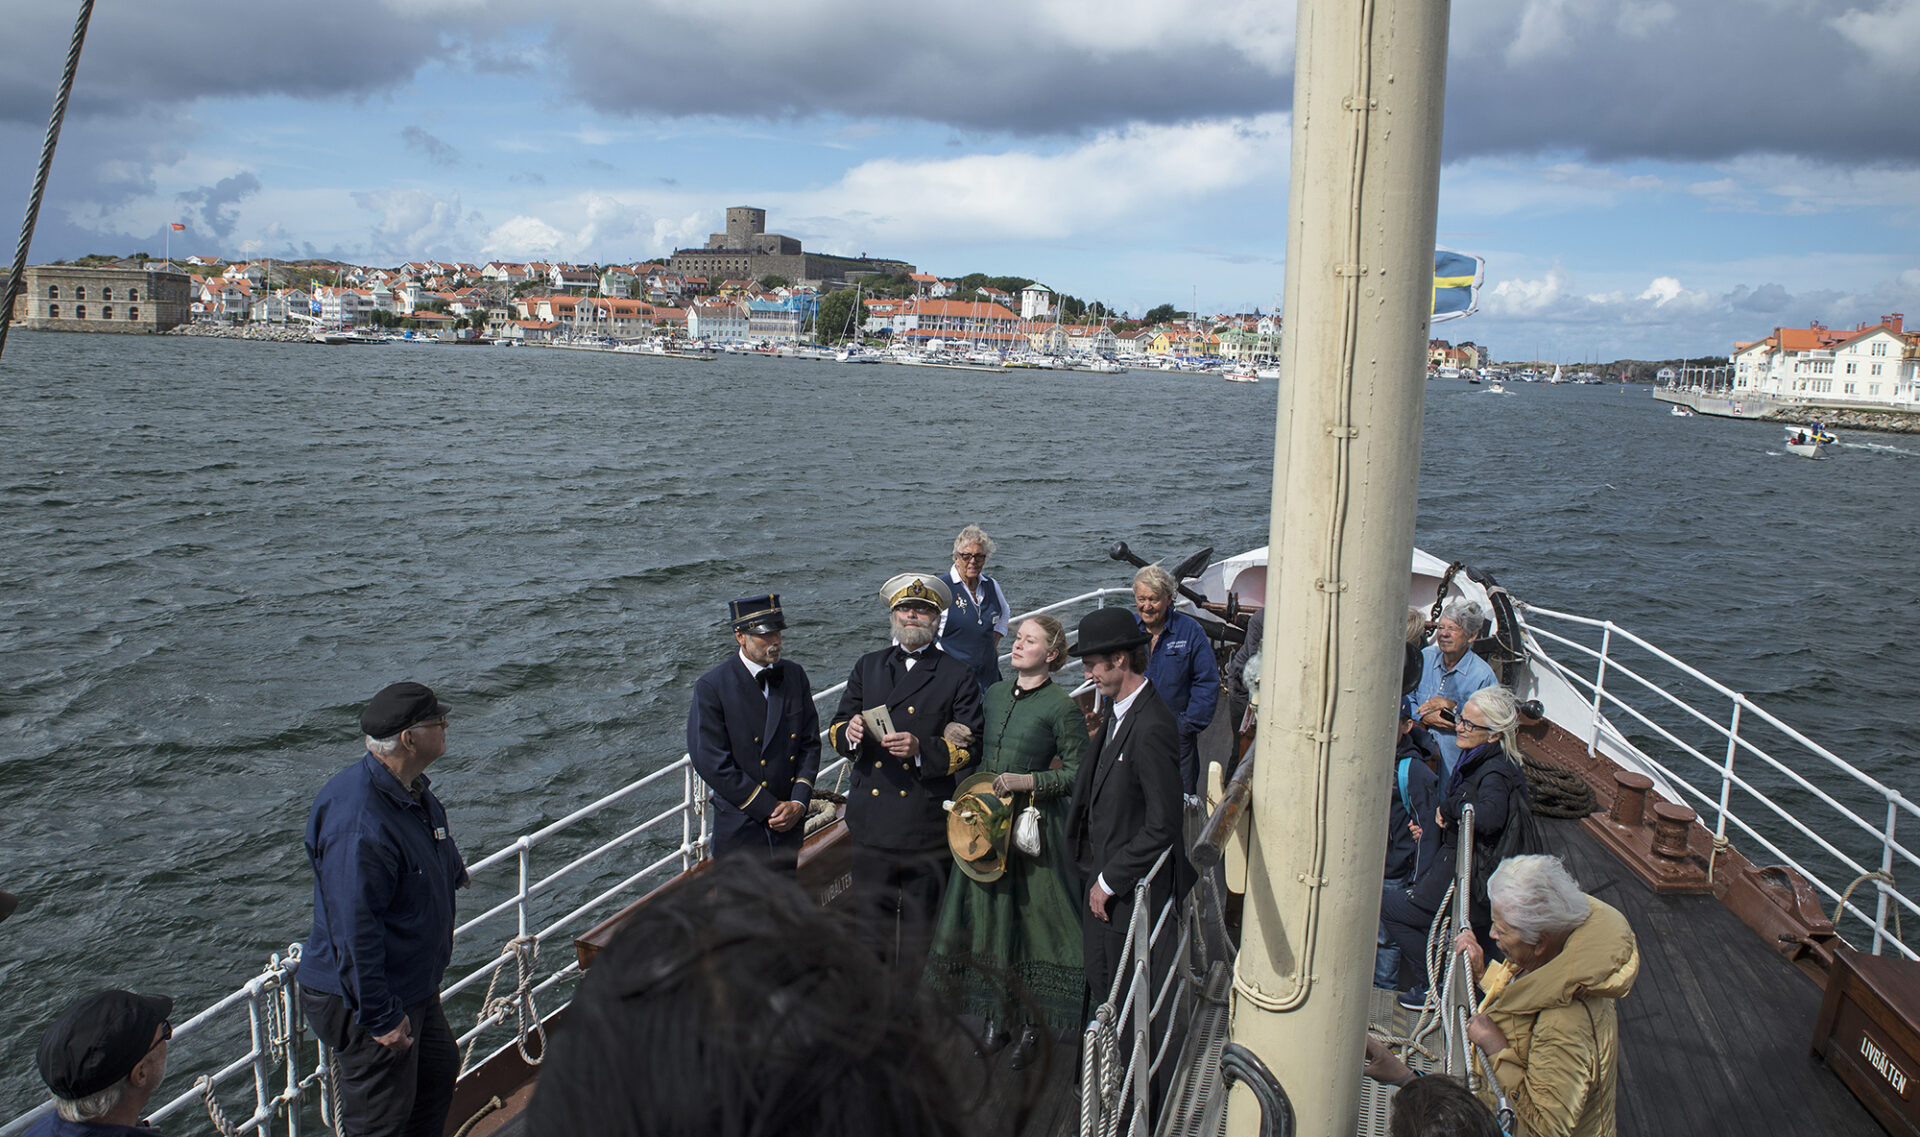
(1162, 343)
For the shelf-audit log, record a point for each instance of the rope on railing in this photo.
(215, 1114)
(1884, 877)
(52, 139)
(517, 1008)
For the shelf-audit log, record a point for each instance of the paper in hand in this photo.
(878, 721)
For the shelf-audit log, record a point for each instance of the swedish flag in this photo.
(1456, 284)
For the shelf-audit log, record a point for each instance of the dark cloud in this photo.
(963, 69)
(1766, 299)
(218, 205)
(138, 54)
(1686, 81)
(432, 149)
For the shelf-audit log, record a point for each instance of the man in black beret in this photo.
(384, 873)
(754, 735)
(103, 1058)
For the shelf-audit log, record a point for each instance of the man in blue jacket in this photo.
(1180, 665)
(102, 1059)
(754, 735)
(385, 868)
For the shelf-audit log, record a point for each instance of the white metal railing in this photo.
(274, 1026)
(1713, 758)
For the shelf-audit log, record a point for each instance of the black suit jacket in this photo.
(1126, 799)
(896, 803)
(754, 751)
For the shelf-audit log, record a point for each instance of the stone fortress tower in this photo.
(747, 251)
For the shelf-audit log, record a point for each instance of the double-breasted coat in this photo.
(754, 750)
(896, 803)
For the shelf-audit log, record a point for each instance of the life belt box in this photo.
(1869, 1034)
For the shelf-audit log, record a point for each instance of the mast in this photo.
(1369, 80)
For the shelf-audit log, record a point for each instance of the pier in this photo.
(1751, 405)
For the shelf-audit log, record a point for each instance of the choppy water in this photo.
(215, 551)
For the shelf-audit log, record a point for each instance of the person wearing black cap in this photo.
(901, 779)
(385, 868)
(754, 735)
(102, 1059)
(1126, 797)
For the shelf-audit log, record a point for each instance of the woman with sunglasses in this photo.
(1488, 778)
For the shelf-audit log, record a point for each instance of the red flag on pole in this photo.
(177, 227)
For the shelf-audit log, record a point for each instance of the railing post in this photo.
(1726, 772)
(686, 818)
(256, 1030)
(1886, 866)
(1141, 928)
(1599, 685)
(526, 876)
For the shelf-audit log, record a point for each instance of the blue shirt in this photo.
(52, 1124)
(1456, 683)
(1183, 669)
(384, 872)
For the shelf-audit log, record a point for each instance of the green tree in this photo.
(1160, 314)
(772, 281)
(836, 314)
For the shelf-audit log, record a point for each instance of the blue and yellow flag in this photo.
(1456, 284)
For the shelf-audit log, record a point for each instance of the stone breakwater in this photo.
(1887, 422)
(246, 332)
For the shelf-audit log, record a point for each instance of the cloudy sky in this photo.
(1645, 178)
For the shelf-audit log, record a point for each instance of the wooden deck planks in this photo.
(1714, 1037)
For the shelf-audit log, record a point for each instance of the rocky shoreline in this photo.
(243, 332)
(1884, 422)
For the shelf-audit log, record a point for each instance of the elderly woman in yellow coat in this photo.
(1548, 1016)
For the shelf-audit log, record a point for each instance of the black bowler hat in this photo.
(399, 706)
(99, 1040)
(1107, 630)
(757, 615)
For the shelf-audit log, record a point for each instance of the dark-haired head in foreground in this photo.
(1439, 1106)
(732, 1006)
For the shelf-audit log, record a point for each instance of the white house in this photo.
(718, 322)
(1036, 302)
(1874, 364)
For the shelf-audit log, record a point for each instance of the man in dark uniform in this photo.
(895, 813)
(1126, 799)
(754, 736)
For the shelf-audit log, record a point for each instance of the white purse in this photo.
(1026, 831)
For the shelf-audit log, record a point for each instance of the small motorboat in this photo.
(1808, 441)
(1496, 388)
(1243, 375)
(1681, 412)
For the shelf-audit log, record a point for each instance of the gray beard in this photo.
(913, 637)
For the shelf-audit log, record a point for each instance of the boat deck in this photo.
(1715, 1035)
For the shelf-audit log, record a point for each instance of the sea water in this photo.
(215, 551)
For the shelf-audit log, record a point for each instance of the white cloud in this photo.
(1118, 177)
(1528, 297)
(1890, 36)
(415, 223)
(524, 238)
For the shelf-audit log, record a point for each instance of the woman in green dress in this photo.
(1009, 950)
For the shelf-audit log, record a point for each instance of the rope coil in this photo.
(517, 1008)
(215, 1114)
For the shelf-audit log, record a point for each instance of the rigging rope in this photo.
(46, 167)
(214, 1113)
(516, 1008)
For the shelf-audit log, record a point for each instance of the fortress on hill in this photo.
(746, 251)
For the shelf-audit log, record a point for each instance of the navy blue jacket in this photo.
(384, 872)
(754, 751)
(895, 803)
(53, 1125)
(1185, 672)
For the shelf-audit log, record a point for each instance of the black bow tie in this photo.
(769, 677)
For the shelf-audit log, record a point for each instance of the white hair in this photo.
(1467, 614)
(383, 747)
(1502, 713)
(973, 535)
(1537, 897)
(1159, 581)
(1416, 626)
(93, 1106)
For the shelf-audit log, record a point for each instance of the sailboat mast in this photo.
(1369, 81)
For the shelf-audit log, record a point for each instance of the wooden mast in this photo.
(1369, 80)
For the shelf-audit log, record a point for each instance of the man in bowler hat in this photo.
(754, 735)
(895, 819)
(384, 873)
(1126, 798)
(102, 1059)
